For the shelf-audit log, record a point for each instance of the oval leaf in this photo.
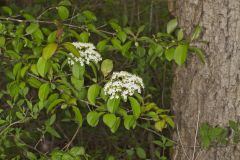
(63, 12)
(78, 70)
(49, 50)
(32, 28)
(93, 92)
(169, 53)
(106, 67)
(129, 121)
(78, 115)
(135, 106)
(172, 25)
(42, 66)
(43, 91)
(93, 118)
(112, 105)
(180, 54)
(71, 48)
(53, 104)
(109, 120)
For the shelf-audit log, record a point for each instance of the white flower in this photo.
(123, 84)
(87, 53)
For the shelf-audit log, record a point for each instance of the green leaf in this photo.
(2, 121)
(204, 135)
(93, 93)
(2, 41)
(78, 115)
(159, 125)
(52, 119)
(180, 34)
(78, 70)
(52, 37)
(234, 125)
(135, 106)
(34, 69)
(116, 125)
(78, 83)
(141, 51)
(101, 45)
(42, 66)
(77, 151)
(65, 3)
(53, 104)
(116, 43)
(43, 91)
(141, 153)
(109, 120)
(84, 36)
(180, 54)
(49, 50)
(30, 155)
(28, 16)
(38, 35)
(63, 12)
(113, 104)
(53, 132)
(172, 25)
(32, 28)
(20, 115)
(7, 10)
(129, 121)
(89, 15)
(93, 118)
(126, 47)
(196, 33)
(115, 26)
(106, 67)
(34, 82)
(71, 48)
(169, 53)
(16, 68)
(24, 70)
(170, 121)
(199, 53)
(140, 29)
(147, 39)
(67, 156)
(158, 50)
(122, 36)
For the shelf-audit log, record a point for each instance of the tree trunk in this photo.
(210, 91)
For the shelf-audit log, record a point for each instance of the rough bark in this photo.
(212, 89)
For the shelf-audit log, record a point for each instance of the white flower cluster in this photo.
(87, 54)
(123, 84)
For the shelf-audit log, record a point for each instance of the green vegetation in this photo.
(57, 99)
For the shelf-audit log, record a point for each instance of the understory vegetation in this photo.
(89, 80)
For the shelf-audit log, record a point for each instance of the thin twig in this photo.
(38, 78)
(195, 139)
(12, 124)
(163, 85)
(51, 22)
(175, 156)
(180, 140)
(150, 130)
(40, 140)
(39, 21)
(199, 153)
(45, 12)
(74, 136)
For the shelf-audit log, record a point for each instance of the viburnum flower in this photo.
(87, 53)
(123, 84)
